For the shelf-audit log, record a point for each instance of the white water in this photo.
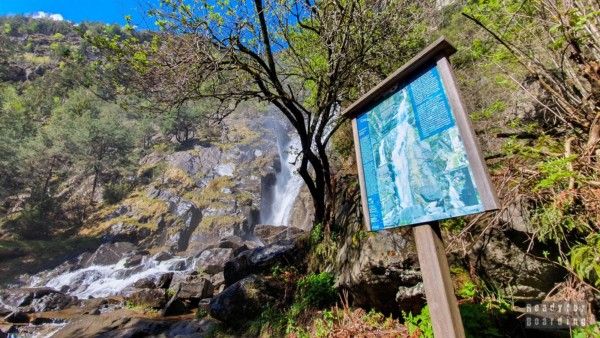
(107, 280)
(287, 181)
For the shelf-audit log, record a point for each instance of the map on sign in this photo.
(414, 162)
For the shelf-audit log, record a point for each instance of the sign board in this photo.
(418, 159)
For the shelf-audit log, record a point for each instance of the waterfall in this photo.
(108, 280)
(279, 202)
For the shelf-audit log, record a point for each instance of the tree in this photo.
(306, 58)
(183, 122)
(96, 134)
(16, 126)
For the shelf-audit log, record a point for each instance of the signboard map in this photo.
(415, 165)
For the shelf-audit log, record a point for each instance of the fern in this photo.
(584, 259)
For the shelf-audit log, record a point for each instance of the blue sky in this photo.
(108, 11)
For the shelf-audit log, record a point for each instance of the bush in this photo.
(317, 290)
(33, 222)
(419, 324)
(115, 192)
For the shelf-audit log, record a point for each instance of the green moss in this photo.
(213, 194)
(213, 222)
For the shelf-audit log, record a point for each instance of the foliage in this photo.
(419, 324)
(542, 53)
(305, 58)
(586, 331)
(183, 122)
(317, 289)
(114, 192)
(584, 259)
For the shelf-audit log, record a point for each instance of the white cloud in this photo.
(44, 15)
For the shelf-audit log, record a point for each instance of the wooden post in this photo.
(443, 307)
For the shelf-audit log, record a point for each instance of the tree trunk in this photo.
(94, 185)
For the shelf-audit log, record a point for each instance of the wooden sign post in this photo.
(418, 163)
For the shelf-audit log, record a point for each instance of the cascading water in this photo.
(108, 280)
(278, 209)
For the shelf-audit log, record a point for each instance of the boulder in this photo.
(152, 298)
(34, 299)
(195, 288)
(262, 259)
(126, 232)
(212, 261)
(144, 283)
(217, 280)
(164, 281)
(380, 268)
(237, 244)
(108, 253)
(163, 256)
(502, 258)
(133, 261)
(242, 301)
(52, 302)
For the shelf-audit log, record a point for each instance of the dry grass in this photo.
(142, 207)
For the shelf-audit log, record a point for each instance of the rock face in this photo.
(212, 261)
(263, 258)
(382, 268)
(108, 253)
(34, 300)
(499, 258)
(242, 301)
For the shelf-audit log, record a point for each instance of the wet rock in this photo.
(144, 283)
(108, 253)
(152, 298)
(501, 257)
(164, 281)
(52, 302)
(381, 268)
(163, 256)
(181, 265)
(17, 317)
(242, 301)
(212, 261)
(34, 299)
(133, 261)
(262, 259)
(195, 288)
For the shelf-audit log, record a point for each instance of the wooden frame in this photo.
(437, 55)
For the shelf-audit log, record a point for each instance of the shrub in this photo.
(115, 192)
(419, 324)
(317, 290)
